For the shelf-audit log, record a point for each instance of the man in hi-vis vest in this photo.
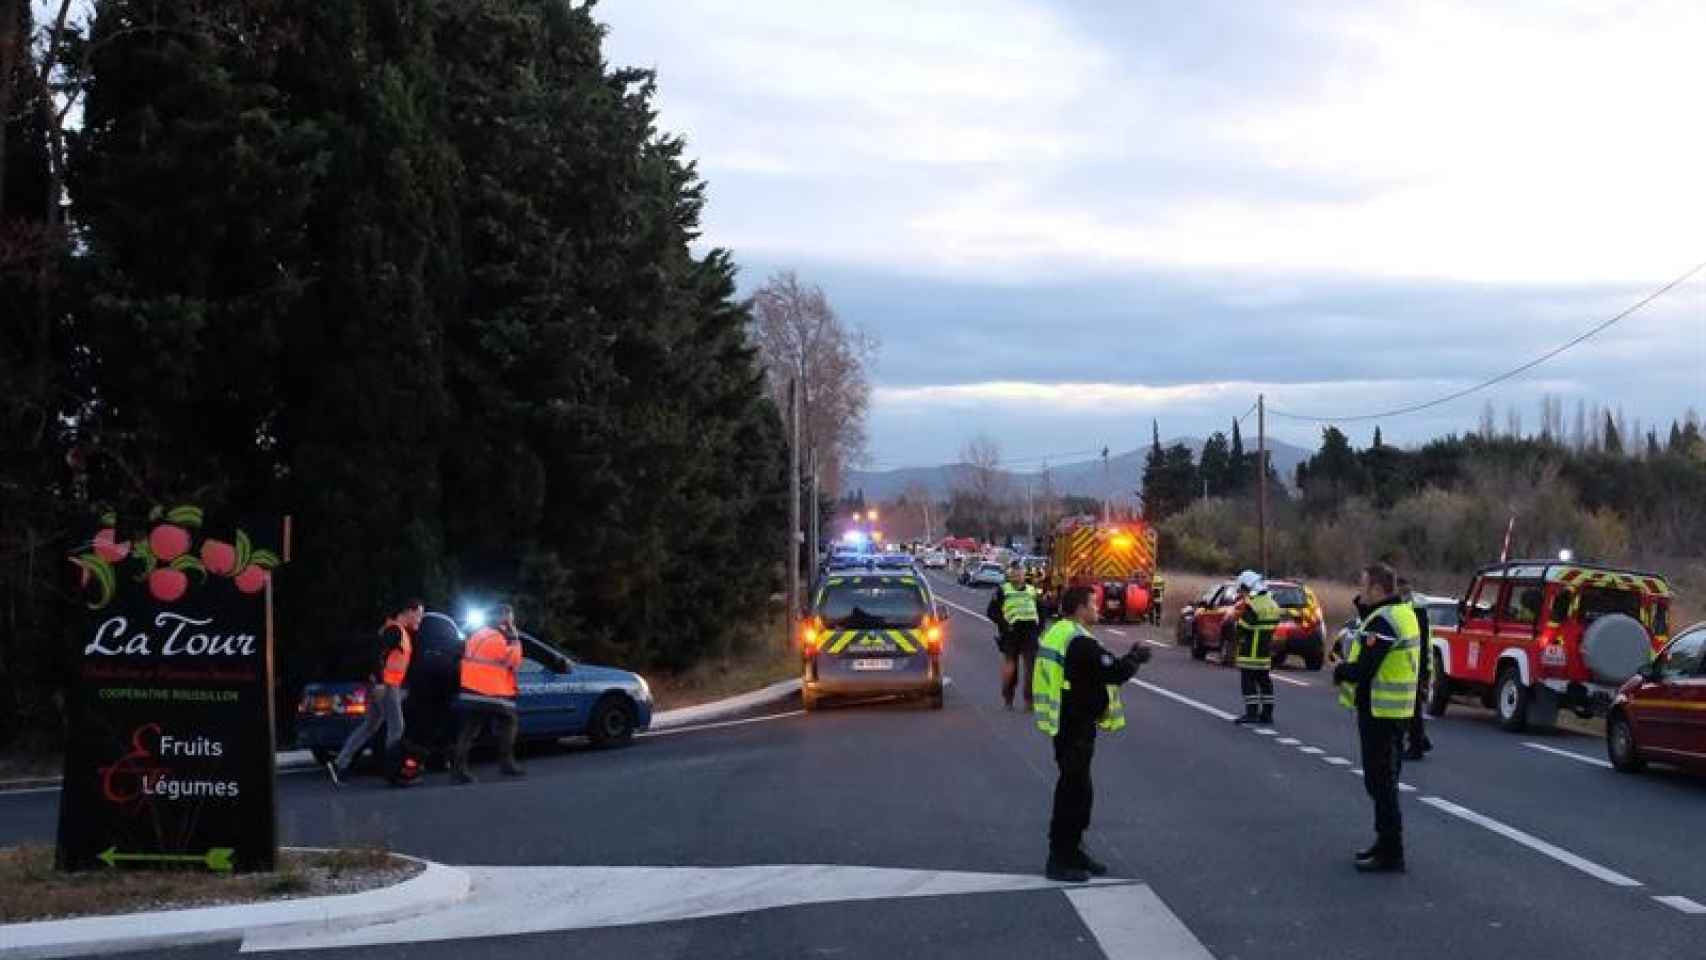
(1378, 681)
(385, 692)
(1076, 684)
(489, 664)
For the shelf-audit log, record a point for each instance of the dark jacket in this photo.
(1427, 658)
(1377, 641)
(1090, 668)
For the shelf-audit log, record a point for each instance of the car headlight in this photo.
(645, 689)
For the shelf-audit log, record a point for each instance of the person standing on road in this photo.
(1378, 681)
(1258, 618)
(1076, 685)
(385, 691)
(1014, 609)
(489, 664)
(1416, 732)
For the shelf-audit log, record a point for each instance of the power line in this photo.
(1508, 374)
(1004, 462)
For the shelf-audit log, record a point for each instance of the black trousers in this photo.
(1381, 764)
(1258, 687)
(1019, 659)
(1073, 793)
(473, 717)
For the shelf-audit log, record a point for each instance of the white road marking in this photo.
(1337, 761)
(1267, 732)
(1132, 922)
(518, 900)
(722, 723)
(1288, 741)
(1405, 788)
(1157, 643)
(1355, 770)
(1312, 751)
(1181, 698)
(1568, 753)
(1684, 904)
(1295, 683)
(1117, 633)
(966, 610)
(29, 790)
(1533, 843)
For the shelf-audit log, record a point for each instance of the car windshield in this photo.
(1288, 596)
(1442, 615)
(881, 603)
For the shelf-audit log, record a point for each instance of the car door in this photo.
(1210, 618)
(1668, 707)
(545, 700)
(1475, 655)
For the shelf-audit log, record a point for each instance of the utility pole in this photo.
(927, 516)
(793, 510)
(1262, 477)
(1030, 516)
(816, 544)
(1106, 487)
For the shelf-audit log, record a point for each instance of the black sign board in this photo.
(169, 758)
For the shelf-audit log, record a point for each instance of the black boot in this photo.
(1061, 870)
(1091, 865)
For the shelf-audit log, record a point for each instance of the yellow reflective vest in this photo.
(1255, 641)
(1019, 605)
(1048, 680)
(1392, 694)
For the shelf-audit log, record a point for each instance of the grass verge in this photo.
(764, 663)
(31, 889)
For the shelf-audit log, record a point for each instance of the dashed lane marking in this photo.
(1288, 741)
(1683, 904)
(1406, 788)
(1181, 698)
(1293, 682)
(1567, 753)
(1267, 731)
(1534, 843)
(1337, 761)
(1312, 751)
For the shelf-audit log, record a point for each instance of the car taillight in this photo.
(811, 635)
(305, 706)
(352, 704)
(933, 635)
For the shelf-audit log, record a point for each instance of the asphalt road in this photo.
(1243, 837)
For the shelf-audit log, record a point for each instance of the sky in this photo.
(1065, 219)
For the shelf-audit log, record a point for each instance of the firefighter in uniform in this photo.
(1254, 634)
(489, 664)
(1378, 681)
(385, 693)
(1077, 690)
(1014, 610)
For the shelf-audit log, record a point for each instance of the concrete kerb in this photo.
(435, 887)
(725, 709)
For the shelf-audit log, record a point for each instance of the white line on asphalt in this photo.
(1406, 787)
(1117, 633)
(1337, 761)
(1684, 904)
(1568, 753)
(1264, 731)
(1187, 701)
(1132, 922)
(1295, 683)
(725, 723)
(26, 791)
(1157, 643)
(1355, 770)
(1288, 741)
(965, 610)
(1533, 843)
(1312, 751)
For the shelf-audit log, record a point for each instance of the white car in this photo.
(935, 560)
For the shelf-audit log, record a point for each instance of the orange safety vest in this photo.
(397, 661)
(489, 662)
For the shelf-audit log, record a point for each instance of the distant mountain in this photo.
(1084, 478)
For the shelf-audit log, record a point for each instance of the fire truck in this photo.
(1116, 559)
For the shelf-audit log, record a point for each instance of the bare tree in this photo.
(1513, 422)
(1579, 439)
(981, 479)
(798, 334)
(1487, 429)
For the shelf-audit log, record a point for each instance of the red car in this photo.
(1660, 712)
(1207, 624)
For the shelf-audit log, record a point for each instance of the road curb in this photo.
(436, 886)
(725, 709)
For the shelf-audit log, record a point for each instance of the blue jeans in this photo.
(384, 708)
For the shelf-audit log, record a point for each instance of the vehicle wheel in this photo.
(612, 722)
(809, 699)
(1439, 688)
(1227, 648)
(1314, 661)
(1620, 744)
(1512, 701)
(322, 756)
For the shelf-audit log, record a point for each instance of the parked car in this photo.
(935, 560)
(1660, 713)
(983, 575)
(557, 696)
(1208, 624)
(1536, 636)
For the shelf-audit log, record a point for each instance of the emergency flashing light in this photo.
(474, 617)
(853, 536)
(1566, 555)
(1121, 541)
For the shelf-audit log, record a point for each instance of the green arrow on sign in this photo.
(217, 859)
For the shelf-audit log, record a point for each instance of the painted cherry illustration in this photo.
(167, 584)
(168, 542)
(218, 557)
(252, 579)
(108, 547)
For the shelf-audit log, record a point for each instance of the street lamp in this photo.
(872, 515)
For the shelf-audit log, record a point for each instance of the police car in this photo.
(557, 696)
(872, 631)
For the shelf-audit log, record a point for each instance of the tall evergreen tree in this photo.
(1613, 439)
(1216, 463)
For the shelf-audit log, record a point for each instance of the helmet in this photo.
(1251, 582)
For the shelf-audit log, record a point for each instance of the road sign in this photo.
(170, 759)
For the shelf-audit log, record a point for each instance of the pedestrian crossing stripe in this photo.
(864, 641)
